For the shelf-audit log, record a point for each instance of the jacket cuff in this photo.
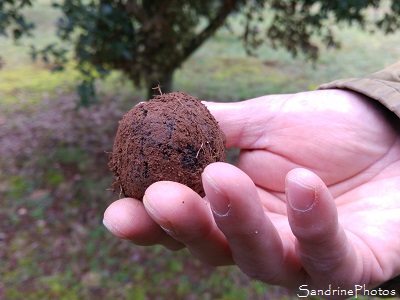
(383, 86)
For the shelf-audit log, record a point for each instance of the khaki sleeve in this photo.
(383, 86)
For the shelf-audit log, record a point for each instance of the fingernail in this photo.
(167, 229)
(113, 229)
(301, 197)
(108, 226)
(219, 202)
(164, 224)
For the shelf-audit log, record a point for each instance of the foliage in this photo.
(149, 40)
(12, 21)
(295, 22)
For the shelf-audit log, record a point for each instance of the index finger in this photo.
(127, 219)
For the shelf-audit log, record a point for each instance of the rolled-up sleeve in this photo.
(383, 86)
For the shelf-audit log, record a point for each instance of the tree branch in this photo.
(226, 8)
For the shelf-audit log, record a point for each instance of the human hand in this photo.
(314, 198)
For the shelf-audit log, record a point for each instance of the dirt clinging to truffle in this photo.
(171, 137)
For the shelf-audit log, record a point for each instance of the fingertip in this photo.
(301, 187)
(127, 219)
(117, 217)
(322, 245)
(221, 181)
(164, 199)
(305, 176)
(178, 209)
(225, 173)
(311, 209)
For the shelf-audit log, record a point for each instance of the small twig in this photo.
(201, 147)
(176, 107)
(120, 191)
(158, 87)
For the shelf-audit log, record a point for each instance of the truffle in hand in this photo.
(171, 137)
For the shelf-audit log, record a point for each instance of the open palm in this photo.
(314, 198)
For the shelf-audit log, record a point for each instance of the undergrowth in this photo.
(53, 188)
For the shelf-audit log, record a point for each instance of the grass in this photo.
(52, 243)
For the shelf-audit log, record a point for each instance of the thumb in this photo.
(321, 243)
(244, 122)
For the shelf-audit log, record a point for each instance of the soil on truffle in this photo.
(171, 137)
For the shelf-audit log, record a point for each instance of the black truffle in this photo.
(171, 137)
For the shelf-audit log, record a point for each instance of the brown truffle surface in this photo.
(171, 137)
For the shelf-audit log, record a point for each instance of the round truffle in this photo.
(171, 137)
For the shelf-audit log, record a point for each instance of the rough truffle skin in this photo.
(171, 137)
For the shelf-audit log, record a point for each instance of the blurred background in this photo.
(71, 69)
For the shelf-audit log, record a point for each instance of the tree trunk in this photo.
(162, 86)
